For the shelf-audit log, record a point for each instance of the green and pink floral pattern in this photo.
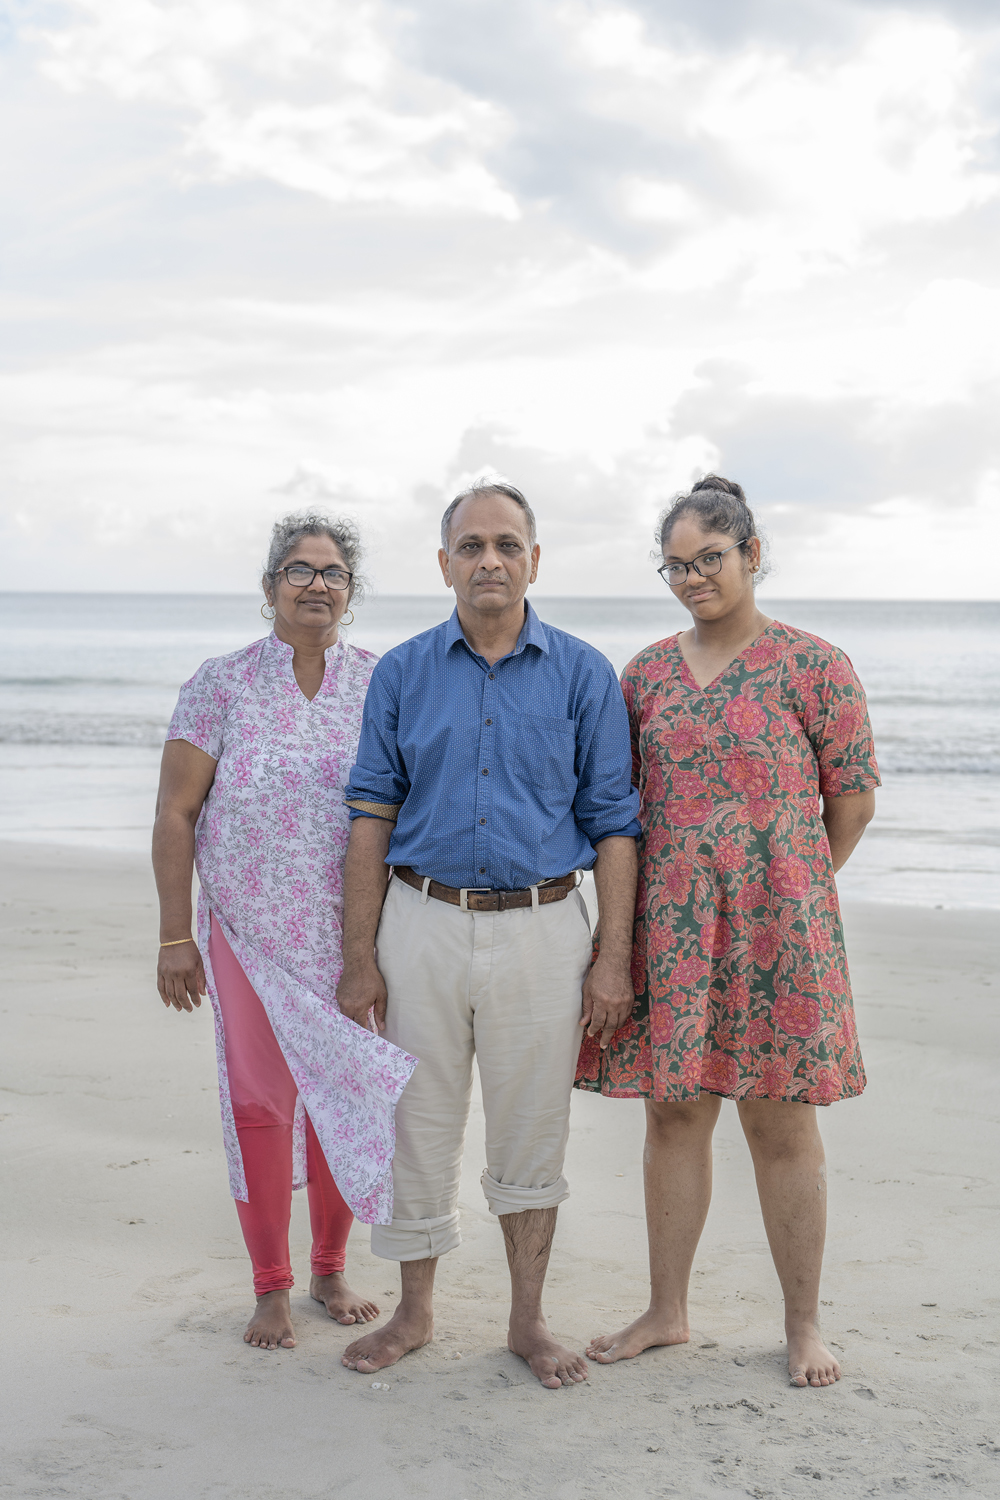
(738, 962)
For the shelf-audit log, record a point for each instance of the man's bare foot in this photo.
(340, 1302)
(809, 1360)
(648, 1332)
(271, 1325)
(404, 1332)
(550, 1361)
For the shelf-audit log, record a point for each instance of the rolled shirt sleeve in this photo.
(378, 783)
(606, 803)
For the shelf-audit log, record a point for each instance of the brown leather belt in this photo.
(552, 890)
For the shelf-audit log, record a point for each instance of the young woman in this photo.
(251, 790)
(753, 755)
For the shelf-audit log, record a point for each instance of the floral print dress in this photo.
(269, 850)
(738, 960)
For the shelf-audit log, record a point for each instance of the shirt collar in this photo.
(533, 633)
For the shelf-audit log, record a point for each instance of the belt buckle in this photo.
(466, 890)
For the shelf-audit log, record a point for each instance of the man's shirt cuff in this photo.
(385, 810)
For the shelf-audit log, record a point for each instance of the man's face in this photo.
(490, 560)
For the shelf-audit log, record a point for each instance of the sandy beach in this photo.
(127, 1286)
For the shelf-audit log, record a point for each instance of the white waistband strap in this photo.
(424, 889)
(534, 897)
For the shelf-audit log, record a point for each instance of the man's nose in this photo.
(491, 560)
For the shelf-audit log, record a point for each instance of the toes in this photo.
(347, 1318)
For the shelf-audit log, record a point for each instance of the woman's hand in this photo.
(180, 976)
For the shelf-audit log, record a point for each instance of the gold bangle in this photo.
(177, 942)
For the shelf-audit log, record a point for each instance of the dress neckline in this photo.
(688, 677)
(334, 657)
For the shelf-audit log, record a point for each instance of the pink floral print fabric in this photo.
(269, 849)
(738, 961)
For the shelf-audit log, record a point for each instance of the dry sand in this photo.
(127, 1286)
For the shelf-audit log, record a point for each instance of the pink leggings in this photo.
(263, 1094)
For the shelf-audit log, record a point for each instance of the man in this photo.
(494, 763)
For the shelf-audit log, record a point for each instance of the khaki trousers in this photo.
(505, 987)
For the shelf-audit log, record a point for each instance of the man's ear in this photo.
(445, 570)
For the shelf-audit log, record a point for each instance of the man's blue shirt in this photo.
(497, 776)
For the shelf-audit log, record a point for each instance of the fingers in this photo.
(379, 1013)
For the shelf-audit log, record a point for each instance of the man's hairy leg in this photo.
(410, 1327)
(528, 1237)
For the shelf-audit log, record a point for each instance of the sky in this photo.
(266, 254)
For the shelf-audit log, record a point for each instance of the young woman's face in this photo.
(713, 596)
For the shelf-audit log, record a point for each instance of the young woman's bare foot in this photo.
(271, 1325)
(554, 1364)
(404, 1332)
(649, 1331)
(809, 1360)
(340, 1302)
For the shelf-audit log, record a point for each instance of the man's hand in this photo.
(361, 990)
(608, 998)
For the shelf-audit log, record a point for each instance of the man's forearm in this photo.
(366, 876)
(616, 875)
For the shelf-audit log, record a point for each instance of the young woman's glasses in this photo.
(706, 566)
(300, 576)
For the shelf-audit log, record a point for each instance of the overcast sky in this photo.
(262, 252)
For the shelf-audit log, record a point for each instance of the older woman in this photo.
(753, 755)
(251, 789)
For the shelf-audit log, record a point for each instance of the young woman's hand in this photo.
(180, 976)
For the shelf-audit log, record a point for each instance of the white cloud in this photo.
(243, 73)
(385, 247)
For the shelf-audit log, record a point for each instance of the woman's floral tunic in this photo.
(739, 962)
(269, 848)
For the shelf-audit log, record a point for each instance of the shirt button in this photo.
(492, 675)
(489, 721)
(482, 820)
(486, 773)
(482, 869)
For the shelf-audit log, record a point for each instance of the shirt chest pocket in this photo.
(545, 753)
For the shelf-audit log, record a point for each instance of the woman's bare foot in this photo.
(340, 1302)
(648, 1332)
(271, 1325)
(554, 1364)
(809, 1360)
(404, 1332)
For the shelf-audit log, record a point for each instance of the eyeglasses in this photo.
(300, 576)
(706, 566)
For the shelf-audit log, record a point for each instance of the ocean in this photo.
(88, 682)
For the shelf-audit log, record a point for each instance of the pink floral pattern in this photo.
(739, 961)
(269, 849)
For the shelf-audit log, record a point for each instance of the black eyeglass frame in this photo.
(304, 567)
(694, 564)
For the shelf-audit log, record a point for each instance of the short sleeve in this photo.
(202, 709)
(629, 693)
(837, 723)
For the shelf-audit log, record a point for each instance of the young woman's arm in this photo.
(846, 819)
(186, 774)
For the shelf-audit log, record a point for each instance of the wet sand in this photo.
(127, 1287)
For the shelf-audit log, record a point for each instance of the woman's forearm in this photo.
(173, 867)
(846, 819)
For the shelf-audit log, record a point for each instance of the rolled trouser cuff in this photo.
(506, 1199)
(416, 1239)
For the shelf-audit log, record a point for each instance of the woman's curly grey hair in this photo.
(718, 505)
(342, 532)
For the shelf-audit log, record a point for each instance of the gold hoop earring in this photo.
(345, 621)
(271, 616)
